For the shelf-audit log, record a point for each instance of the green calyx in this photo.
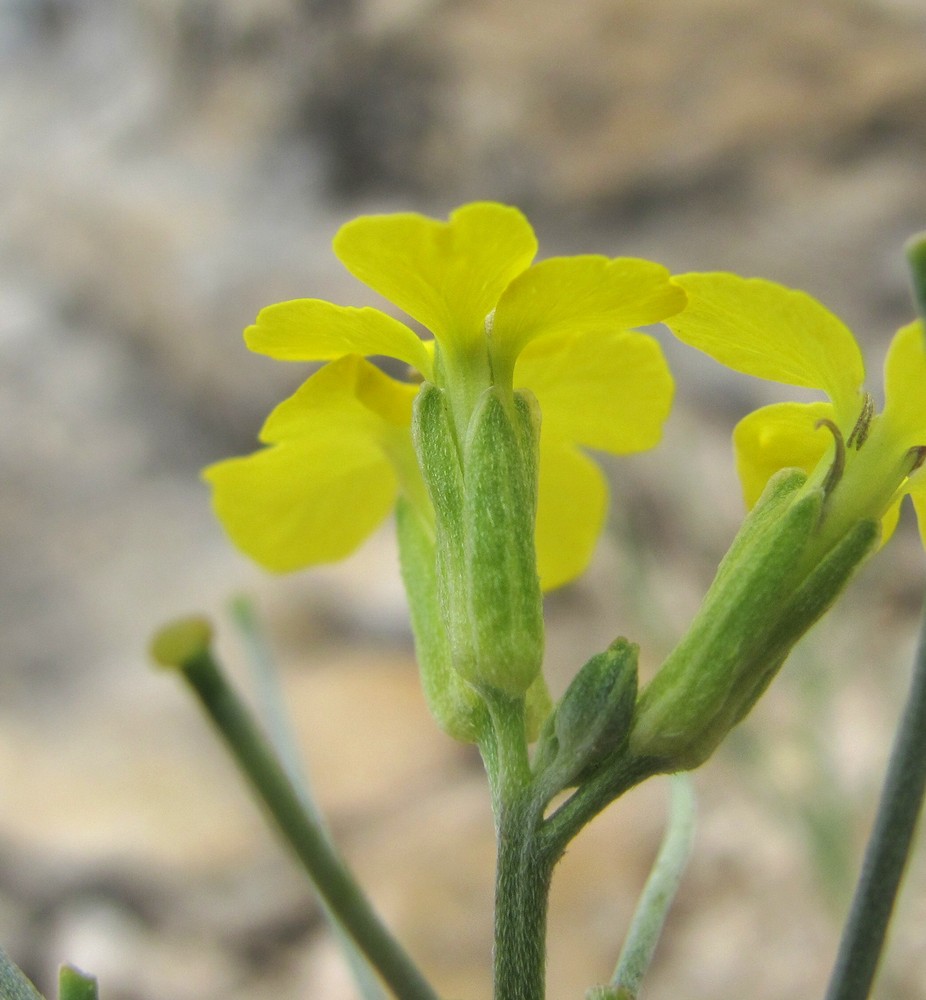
(483, 489)
(455, 705)
(764, 597)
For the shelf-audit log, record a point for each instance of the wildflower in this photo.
(865, 462)
(340, 451)
(824, 480)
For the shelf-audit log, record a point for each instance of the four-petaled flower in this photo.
(866, 462)
(339, 451)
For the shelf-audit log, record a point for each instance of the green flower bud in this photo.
(484, 494)
(592, 718)
(766, 594)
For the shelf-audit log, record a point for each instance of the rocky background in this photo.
(170, 166)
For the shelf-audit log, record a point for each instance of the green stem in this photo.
(612, 779)
(272, 712)
(326, 869)
(522, 889)
(889, 847)
(523, 873)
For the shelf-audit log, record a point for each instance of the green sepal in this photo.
(484, 495)
(500, 459)
(439, 459)
(455, 705)
(714, 675)
(805, 606)
(592, 719)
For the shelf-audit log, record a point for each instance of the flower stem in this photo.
(272, 712)
(659, 891)
(524, 870)
(889, 847)
(326, 869)
(521, 891)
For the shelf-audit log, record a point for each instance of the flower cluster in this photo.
(482, 450)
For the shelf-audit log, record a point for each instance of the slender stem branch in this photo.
(326, 869)
(889, 847)
(610, 782)
(272, 712)
(659, 891)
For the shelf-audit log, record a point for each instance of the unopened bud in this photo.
(593, 717)
(484, 494)
(764, 598)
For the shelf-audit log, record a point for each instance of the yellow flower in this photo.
(340, 450)
(866, 462)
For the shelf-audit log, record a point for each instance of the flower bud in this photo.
(765, 596)
(484, 494)
(592, 718)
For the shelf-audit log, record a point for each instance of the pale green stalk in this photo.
(659, 891)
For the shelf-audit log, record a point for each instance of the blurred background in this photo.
(169, 167)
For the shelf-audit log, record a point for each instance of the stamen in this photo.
(839, 459)
(863, 424)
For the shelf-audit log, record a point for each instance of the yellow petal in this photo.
(326, 481)
(606, 390)
(303, 502)
(350, 395)
(780, 436)
(447, 275)
(572, 295)
(776, 333)
(571, 508)
(905, 386)
(314, 330)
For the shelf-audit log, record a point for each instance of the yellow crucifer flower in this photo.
(866, 462)
(340, 450)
